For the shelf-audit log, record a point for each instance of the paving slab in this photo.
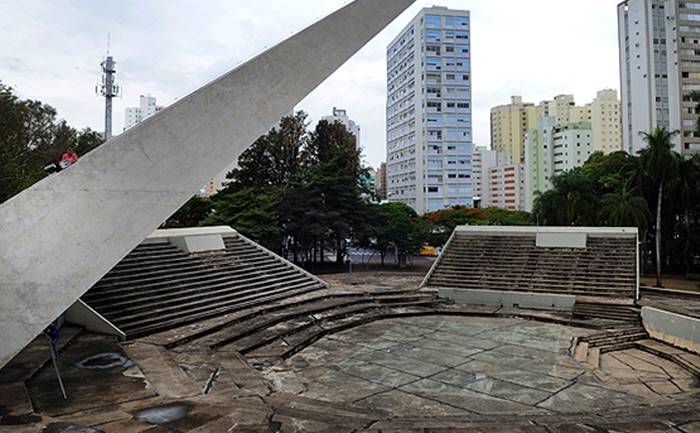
(378, 374)
(466, 399)
(580, 397)
(399, 403)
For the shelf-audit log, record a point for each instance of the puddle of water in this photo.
(105, 361)
(163, 414)
(301, 364)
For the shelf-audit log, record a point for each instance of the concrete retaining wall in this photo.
(498, 298)
(676, 329)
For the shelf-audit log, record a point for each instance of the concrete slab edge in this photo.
(499, 298)
(277, 257)
(437, 261)
(672, 328)
(82, 314)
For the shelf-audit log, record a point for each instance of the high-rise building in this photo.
(135, 115)
(550, 150)
(659, 70)
(380, 183)
(507, 186)
(606, 121)
(510, 123)
(429, 112)
(563, 109)
(483, 160)
(341, 115)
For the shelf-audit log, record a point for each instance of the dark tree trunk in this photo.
(688, 244)
(323, 251)
(338, 251)
(658, 235)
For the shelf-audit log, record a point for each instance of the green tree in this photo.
(625, 208)
(443, 222)
(332, 168)
(191, 214)
(610, 172)
(396, 225)
(274, 158)
(253, 212)
(571, 201)
(688, 196)
(660, 167)
(32, 137)
(251, 201)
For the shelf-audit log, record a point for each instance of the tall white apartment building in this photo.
(429, 112)
(341, 115)
(135, 115)
(659, 70)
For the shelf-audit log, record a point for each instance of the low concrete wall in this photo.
(497, 298)
(676, 329)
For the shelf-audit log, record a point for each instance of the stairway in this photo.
(157, 286)
(605, 268)
(284, 330)
(589, 348)
(607, 311)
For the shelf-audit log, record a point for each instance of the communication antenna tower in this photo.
(108, 89)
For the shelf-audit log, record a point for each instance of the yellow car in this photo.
(427, 250)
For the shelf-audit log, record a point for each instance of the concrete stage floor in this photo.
(495, 371)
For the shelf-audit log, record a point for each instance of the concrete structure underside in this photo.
(368, 353)
(63, 234)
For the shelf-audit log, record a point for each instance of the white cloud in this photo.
(51, 51)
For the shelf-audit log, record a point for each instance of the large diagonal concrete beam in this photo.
(63, 234)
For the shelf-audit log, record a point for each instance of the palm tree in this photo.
(689, 190)
(571, 201)
(660, 166)
(625, 208)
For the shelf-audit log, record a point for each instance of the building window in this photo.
(432, 20)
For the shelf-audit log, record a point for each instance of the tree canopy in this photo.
(653, 190)
(31, 137)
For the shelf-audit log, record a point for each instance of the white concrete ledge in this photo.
(194, 240)
(191, 231)
(624, 232)
(672, 328)
(499, 298)
(561, 240)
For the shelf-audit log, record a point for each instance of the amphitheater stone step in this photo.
(162, 284)
(543, 260)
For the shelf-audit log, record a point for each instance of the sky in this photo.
(51, 50)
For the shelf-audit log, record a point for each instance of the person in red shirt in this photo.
(69, 158)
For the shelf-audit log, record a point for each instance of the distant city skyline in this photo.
(555, 47)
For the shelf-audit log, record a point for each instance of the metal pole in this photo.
(55, 367)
